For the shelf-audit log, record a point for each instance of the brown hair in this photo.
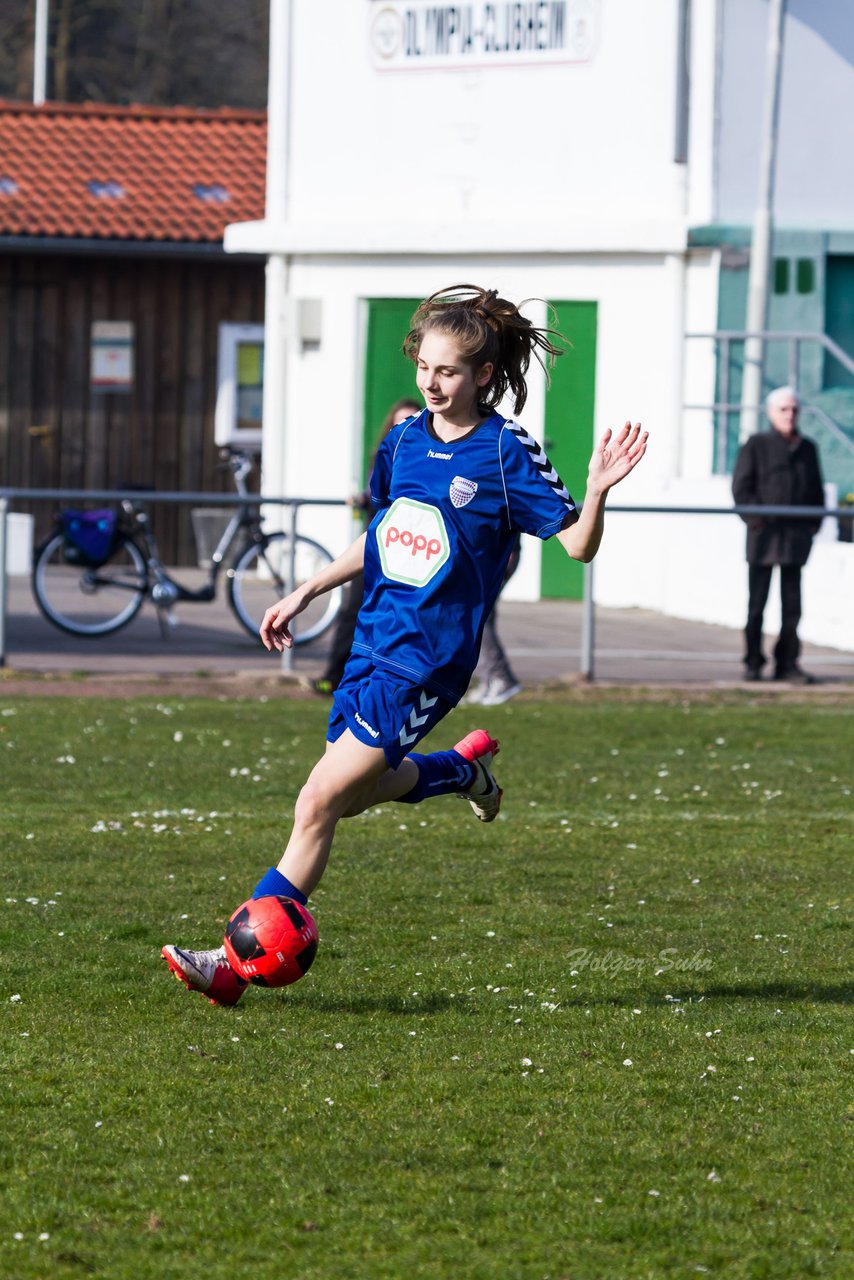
(392, 416)
(489, 330)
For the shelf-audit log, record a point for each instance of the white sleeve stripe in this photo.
(400, 438)
(503, 480)
(540, 461)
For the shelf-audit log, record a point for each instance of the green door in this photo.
(569, 434)
(389, 376)
(839, 317)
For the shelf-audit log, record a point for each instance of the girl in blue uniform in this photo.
(452, 488)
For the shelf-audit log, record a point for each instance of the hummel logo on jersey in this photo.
(446, 457)
(462, 491)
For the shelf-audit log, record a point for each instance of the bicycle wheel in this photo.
(259, 577)
(86, 601)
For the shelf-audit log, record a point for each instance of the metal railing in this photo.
(588, 641)
(149, 498)
(723, 406)
(294, 505)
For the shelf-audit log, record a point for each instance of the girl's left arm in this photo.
(275, 631)
(612, 460)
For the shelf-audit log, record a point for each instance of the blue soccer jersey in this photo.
(447, 515)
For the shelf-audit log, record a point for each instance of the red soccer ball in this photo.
(271, 941)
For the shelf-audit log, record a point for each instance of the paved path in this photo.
(633, 646)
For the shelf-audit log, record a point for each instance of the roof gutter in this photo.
(121, 248)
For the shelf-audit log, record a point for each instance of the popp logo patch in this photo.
(412, 541)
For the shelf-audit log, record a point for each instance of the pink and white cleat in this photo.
(207, 972)
(484, 794)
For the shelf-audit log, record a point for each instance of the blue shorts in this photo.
(383, 709)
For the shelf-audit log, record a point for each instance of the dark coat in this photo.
(770, 470)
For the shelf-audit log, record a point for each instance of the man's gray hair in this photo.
(781, 393)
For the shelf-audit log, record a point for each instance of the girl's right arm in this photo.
(274, 626)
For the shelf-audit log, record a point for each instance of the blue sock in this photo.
(439, 774)
(274, 884)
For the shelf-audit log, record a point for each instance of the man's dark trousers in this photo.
(787, 648)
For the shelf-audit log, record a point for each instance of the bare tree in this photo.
(160, 52)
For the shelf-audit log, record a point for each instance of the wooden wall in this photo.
(56, 431)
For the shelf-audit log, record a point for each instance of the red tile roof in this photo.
(129, 173)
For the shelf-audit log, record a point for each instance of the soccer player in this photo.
(452, 487)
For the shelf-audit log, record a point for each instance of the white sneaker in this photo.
(475, 695)
(207, 972)
(499, 691)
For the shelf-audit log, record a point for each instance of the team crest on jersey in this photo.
(462, 491)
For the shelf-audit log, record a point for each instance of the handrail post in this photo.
(588, 627)
(723, 415)
(4, 510)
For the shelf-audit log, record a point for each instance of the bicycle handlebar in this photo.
(238, 462)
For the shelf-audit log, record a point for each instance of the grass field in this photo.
(609, 1036)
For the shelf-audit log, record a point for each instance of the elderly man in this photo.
(779, 468)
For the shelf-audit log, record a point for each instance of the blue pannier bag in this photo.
(89, 536)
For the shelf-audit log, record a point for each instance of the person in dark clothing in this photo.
(497, 681)
(345, 622)
(778, 468)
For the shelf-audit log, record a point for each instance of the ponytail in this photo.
(489, 330)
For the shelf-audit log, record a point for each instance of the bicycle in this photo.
(94, 591)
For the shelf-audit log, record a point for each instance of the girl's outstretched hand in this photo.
(615, 456)
(274, 630)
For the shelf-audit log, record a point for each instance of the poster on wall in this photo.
(111, 358)
(422, 35)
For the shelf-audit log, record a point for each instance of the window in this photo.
(211, 193)
(781, 275)
(240, 385)
(805, 275)
(106, 190)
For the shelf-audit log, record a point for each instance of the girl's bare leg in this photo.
(348, 778)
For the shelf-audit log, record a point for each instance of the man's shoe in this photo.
(499, 691)
(475, 695)
(484, 794)
(753, 673)
(794, 675)
(207, 972)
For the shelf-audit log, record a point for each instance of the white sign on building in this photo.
(419, 34)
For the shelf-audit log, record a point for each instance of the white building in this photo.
(601, 155)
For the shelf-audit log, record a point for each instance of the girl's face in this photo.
(448, 383)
